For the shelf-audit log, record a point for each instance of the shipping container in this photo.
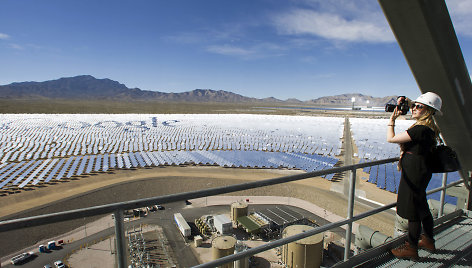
(182, 225)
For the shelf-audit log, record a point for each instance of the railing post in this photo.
(350, 212)
(443, 195)
(120, 239)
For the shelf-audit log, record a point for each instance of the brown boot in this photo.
(406, 251)
(426, 243)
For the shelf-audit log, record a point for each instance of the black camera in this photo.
(403, 106)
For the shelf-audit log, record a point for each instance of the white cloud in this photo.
(4, 36)
(332, 26)
(249, 52)
(461, 15)
(339, 21)
(227, 33)
(357, 21)
(229, 50)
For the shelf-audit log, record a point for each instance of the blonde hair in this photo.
(426, 119)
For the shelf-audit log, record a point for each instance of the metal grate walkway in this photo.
(453, 243)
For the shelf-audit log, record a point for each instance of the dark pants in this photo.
(414, 228)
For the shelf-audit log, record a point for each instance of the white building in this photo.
(223, 224)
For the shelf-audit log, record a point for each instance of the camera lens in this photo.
(390, 107)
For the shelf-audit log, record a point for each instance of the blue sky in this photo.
(259, 48)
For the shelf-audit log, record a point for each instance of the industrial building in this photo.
(270, 222)
(223, 224)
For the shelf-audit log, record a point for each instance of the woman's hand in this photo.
(396, 113)
(399, 138)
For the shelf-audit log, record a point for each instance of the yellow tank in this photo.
(238, 209)
(223, 246)
(307, 252)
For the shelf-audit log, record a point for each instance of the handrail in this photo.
(14, 224)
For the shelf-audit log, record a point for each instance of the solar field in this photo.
(39, 148)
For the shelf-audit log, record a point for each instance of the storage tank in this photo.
(223, 246)
(242, 263)
(307, 252)
(238, 209)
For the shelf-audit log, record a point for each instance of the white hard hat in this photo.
(432, 100)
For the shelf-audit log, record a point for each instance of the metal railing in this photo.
(118, 208)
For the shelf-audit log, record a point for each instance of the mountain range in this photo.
(87, 87)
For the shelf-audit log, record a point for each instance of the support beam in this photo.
(121, 253)
(350, 213)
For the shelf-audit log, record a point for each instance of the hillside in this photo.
(89, 88)
(86, 87)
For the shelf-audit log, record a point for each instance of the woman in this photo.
(416, 144)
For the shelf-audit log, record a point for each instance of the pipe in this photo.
(367, 238)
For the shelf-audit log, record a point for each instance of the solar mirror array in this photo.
(370, 138)
(39, 148)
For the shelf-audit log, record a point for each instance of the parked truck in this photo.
(23, 257)
(182, 225)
